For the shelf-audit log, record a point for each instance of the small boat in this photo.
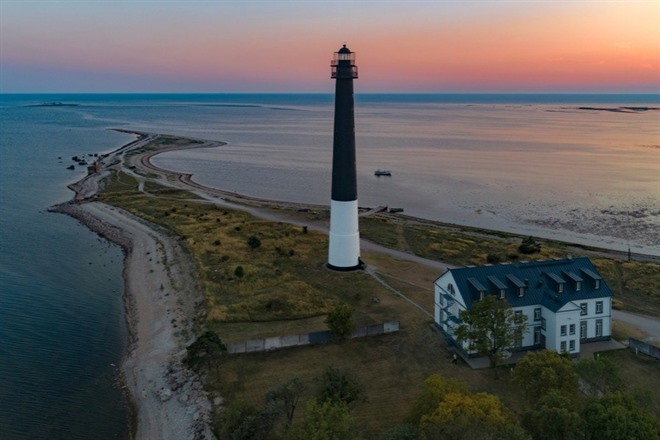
(395, 210)
(379, 173)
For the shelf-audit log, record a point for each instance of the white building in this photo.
(566, 302)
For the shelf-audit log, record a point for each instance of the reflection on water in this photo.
(550, 170)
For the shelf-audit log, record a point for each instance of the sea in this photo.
(579, 168)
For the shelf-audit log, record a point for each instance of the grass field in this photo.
(284, 288)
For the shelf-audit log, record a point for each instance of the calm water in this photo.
(528, 163)
(61, 314)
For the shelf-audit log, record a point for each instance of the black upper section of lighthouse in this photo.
(344, 180)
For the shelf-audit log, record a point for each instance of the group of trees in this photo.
(564, 400)
(558, 407)
(327, 414)
(446, 409)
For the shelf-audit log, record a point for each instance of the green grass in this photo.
(640, 375)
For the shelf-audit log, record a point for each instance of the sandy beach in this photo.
(161, 298)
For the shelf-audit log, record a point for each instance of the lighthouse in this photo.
(344, 247)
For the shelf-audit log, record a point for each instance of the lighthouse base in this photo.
(344, 246)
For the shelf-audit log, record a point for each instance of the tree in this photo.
(470, 416)
(434, 390)
(340, 321)
(539, 372)
(554, 418)
(491, 327)
(340, 387)
(243, 421)
(287, 395)
(618, 417)
(325, 421)
(206, 348)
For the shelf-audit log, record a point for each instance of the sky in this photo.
(212, 46)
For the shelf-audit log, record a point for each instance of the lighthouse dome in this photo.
(344, 49)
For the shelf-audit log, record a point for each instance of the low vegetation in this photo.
(265, 279)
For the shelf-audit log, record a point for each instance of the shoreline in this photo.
(161, 297)
(164, 399)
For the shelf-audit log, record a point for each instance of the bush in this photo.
(254, 242)
(239, 272)
(493, 259)
(529, 246)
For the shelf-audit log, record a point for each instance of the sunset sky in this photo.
(286, 46)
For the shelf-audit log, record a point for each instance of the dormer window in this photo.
(450, 287)
(481, 295)
(594, 277)
(517, 283)
(558, 280)
(575, 278)
(499, 285)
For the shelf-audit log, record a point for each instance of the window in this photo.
(481, 295)
(599, 307)
(521, 291)
(518, 317)
(563, 330)
(502, 291)
(578, 286)
(537, 314)
(563, 346)
(571, 345)
(560, 287)
(585, 309)
(450, 287)
(571, 329)
(583, 329)
(596, 284)
(599, 328)
(543, 323)
(537, 335)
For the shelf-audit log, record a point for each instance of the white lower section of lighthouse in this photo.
(344, 247)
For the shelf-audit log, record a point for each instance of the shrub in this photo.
(254, 242)
(529, 246)
(239, 271)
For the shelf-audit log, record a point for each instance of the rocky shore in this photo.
(161, 299)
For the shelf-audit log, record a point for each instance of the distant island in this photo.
(620, 109)
(54, 104)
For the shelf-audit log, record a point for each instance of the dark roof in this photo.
(540, 280)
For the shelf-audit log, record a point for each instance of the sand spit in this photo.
(161, 299)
